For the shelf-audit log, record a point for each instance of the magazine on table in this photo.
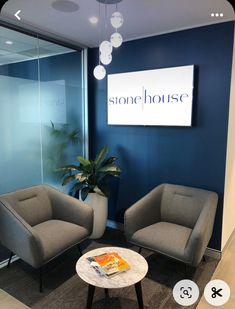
(108, 264)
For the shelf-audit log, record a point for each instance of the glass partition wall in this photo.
(42, 110)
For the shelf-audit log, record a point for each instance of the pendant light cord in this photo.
(99, 32)
(116, 11)
(105, 22)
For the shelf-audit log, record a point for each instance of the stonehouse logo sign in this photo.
(161, 97)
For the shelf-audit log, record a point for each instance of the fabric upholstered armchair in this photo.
(173, 220)
(39, 223)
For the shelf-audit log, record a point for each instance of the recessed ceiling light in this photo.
(8, 42)
(93, 20)
(66, 6)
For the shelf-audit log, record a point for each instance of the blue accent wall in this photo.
(148, 156)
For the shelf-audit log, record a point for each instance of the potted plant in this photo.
(90, 179)
(61, 138)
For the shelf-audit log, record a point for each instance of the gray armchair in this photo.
(173, 220)
(39, 223)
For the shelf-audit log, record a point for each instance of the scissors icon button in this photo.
(216, 292)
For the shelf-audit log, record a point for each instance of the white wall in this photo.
(229, 191)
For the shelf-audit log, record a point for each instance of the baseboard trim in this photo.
(216, 254)
(5, 262)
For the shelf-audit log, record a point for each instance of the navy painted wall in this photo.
(193, 156)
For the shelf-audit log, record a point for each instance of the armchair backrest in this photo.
(182, 205)
(32, 204)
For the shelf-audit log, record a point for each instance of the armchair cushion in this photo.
(164, 237)
(57, 236)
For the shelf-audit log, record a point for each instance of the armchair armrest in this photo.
(202, 231)
(144, 212)
(68, 208)
(18, 236)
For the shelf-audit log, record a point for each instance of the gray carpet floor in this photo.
(64, 289)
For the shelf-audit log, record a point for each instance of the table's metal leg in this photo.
(106, 300)
(91, 291)
(106, 292)
(139, 295)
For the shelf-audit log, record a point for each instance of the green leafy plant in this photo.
(60, 139)
(91, 175)
(63, 133)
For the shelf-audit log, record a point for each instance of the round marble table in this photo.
(137, 271)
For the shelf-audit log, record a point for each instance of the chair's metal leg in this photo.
(40, 280)
(140, 249)
(9, 260)
(187, 272)
(79, 250)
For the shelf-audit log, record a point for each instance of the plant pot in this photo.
(99, 204)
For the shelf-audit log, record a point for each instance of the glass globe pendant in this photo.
(105, 58)
(99, 72)
(116, 39)
(116, 20)
(106, 47)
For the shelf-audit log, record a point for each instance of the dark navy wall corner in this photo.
(193, 156)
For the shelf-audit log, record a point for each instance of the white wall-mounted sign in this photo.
(162, 97)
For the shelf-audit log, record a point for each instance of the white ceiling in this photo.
(142, 18)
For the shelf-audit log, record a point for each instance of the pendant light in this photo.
(106, 47)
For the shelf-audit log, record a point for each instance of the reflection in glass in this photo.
(42, 111)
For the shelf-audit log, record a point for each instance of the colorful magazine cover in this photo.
(108, 264)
